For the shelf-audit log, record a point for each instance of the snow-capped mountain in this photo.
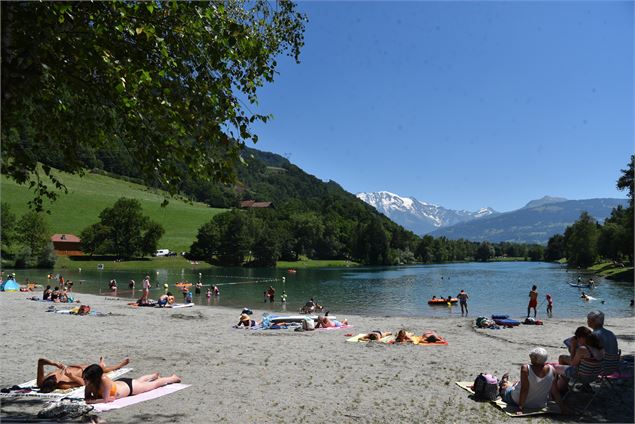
(417, 216)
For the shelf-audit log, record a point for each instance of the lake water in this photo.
(497, 287)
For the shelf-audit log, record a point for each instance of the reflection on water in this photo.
(500, 287)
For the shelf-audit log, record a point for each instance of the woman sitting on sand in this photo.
(245, 320)
(100, 388)
(47, 293)
(536, 378)
(165, 299)
(375, 335)
(55, 295)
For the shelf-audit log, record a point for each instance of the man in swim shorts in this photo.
(533, 300)
(463, 301)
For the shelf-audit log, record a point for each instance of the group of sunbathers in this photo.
(428, 336)
(57, 295)
(98, 386)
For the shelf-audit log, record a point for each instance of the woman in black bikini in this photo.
(100, 388)
(375, 335)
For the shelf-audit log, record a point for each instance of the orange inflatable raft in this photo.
(442, 301)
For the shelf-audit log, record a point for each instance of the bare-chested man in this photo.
(66, 376)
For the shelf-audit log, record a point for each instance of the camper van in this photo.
(162, 252)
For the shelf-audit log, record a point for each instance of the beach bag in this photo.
(530, 321)
(485, 387)
(308, 324)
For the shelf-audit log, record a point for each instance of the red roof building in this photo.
(248, 204)
(67, 244)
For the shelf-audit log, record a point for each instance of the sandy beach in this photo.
(279, 376)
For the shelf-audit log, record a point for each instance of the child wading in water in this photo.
(549, 306)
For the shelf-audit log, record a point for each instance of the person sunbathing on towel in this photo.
(402, 337)
(431, 336)
(100, 388)
(375, 335)
(325, 322)
(66, 376)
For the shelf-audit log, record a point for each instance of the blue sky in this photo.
(463, 104)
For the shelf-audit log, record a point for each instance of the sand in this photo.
(241, 376)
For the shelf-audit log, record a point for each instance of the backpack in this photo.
(308, 324)
(485, 387)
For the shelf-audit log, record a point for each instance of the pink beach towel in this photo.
(334, 328)
(131, 400)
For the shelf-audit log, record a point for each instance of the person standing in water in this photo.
(463, 301)
(549, 306)
(533, 300)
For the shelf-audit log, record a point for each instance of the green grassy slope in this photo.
(89, 195)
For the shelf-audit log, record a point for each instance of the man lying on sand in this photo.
(66, 376)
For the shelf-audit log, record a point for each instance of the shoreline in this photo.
(276, 376)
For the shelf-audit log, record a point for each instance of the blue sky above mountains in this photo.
(464, 104)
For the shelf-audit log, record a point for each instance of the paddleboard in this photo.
(584, 286)
(295, 318)
(180, 305)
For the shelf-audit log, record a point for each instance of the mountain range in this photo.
(417, 216)
(534, 223)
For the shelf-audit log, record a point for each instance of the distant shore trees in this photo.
(263, 237)
(586, 241)
(123, 230)
(26, 240)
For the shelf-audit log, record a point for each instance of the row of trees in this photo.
(587, 241)
(122, 231)
(27, 239)
(261, 237)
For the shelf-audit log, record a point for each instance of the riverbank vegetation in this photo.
(604, 248)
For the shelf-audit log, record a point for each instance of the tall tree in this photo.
(555, 248)
(168, 83)
(123, 230)
(7, 225)
(32, 231)
(581, 241)
(625, 182)
(485, 252)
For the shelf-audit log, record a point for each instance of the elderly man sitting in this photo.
(536, 379)
(595, 320)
